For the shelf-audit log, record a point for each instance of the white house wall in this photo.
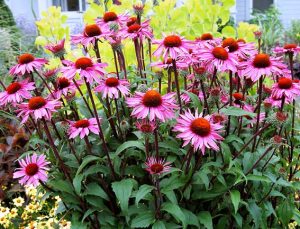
(289, 9)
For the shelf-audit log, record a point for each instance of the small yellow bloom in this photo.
(24, 215)
(32, 207)
(18, 202)
(3, 211)
(13, 213)
(64, 224)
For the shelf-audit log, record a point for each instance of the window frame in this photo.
(80, 2)
(251, 5)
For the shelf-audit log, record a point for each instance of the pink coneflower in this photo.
(185, 98)
(110, 18)
(218, 58)
(83, 127)
(146, 126)
(200, 131)
(64, 86)
(112, 86)
(285, 87)
(50, 74)
(16, 92)
(219, 118)
(173, 46)
(38, 107)
(277, 102)
(288, 48)
(33, 170)
(153, 104)
(157, 166)
(261, 64)
(166, 64)
(57, 49)
(207, 38)
(27, 63)
(85, 67)
(239, 47)
(90, 35)
(136, 30)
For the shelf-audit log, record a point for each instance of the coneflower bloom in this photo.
(285, 87)
(166, 64)
(64, 86)
(16, 92)
(218, 118)
(33, 170)
(85, 67)
(50, 74)
(111, 87)
(157, 166)
(136, 30)
(57, 49)
(239, 47)
(287, 48)
(90, 35)
(152, 104)
(27, 63)
(277, 102)
(261, 64)
(146, 126)
(173, 46)
(109, 18)
(38, 107)
(83, 127)
(185, 98)
(199, 131)
(207, 38)
(218, 58)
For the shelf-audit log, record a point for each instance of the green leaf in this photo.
(142, 192)
(159, 225)
(256, 213)
(87, 213)
(95, 190)
(143, 220)
(130, 144)
(77, 183)
(85, 161)
(236, 111)
(285, 212)
(195, 101)
(205, 219)
(235, 198)
(175, 211)
(123, 190)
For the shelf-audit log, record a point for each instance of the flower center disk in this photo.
(63, 83)
(200, 126)
(131, 21)
(220, 53)
(83, 63)
(157, 168)
(290, 46)
(146, 128)
(261, 61)
(285, 83)
(152, 99)
(172, 41)
(110, 16)
(133, 28)
(31, 169)
(92, 30)
(231, 44)
(13, 88)
(25, 58)
(206, 37)
(82, 123)
(112, 82)
(36, 103)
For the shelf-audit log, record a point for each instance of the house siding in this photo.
(289, 9)
(243, 10)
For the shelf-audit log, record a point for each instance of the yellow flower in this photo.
(31, 191)
(3, 211)
(3, 220)
(18, 202)
(13, 213)
(43, 224)
(24, 215)
(32, 207)
(64, 224)
(52, 212)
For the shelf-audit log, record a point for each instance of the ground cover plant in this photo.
(132, 123)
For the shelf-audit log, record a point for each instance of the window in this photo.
(262, 5)
(70, 5)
